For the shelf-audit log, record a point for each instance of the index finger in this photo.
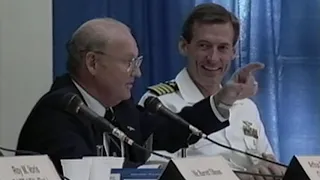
(245, 71)
(275, 170)
(252, 67)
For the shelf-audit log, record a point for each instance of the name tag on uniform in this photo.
(248, 130)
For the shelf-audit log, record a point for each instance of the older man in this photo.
(103, 64)
(208, 40)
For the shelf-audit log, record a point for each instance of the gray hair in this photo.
(90, 36)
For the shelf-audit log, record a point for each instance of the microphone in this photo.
(154, 105)
(73, 104)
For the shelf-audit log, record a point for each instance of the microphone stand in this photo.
(122, 148)
(184, 150)
(106, 144)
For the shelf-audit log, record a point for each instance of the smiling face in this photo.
(209, 52)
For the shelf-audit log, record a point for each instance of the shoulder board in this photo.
(164, 88)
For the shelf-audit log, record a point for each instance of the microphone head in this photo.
(152, 104)
(71, 102)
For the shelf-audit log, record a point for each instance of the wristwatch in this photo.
(224, 106)
(223, 109)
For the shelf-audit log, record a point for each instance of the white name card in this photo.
(311, 166)
(27, 168)
(199, 168)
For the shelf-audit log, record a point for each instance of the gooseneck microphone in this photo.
(73, 104)
(154, 105)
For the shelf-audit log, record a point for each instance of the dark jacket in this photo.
(51, 130)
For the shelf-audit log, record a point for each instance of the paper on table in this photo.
(76, 168)
(91, 168)
(150, 166)
(100, 169)
(113, 162)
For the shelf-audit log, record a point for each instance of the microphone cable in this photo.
(243, 152)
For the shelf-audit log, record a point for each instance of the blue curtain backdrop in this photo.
(283, 34)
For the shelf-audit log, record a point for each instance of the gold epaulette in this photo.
(164, 88)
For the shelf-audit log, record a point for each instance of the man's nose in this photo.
(213, 56)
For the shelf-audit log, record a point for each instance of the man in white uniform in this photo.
(209, 36)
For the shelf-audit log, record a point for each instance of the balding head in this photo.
(103, 59)
(93, 35)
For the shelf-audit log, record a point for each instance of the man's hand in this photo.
(241, 85)
(264, 168)
(275, 169)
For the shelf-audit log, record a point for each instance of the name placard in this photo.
(303, 168)
(311, 165)
(199, 168)
(27, 168)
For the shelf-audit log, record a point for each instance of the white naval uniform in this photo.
(246, 131)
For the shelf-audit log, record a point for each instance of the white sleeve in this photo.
(263, 144)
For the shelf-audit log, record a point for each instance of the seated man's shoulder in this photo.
(164, 88)
(166, 92)
(51, 107)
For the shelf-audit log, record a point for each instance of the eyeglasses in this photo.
(133, 64)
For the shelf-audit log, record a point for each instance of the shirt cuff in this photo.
(215, 110)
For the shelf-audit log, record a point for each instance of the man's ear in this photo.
(183, 49)
(91, 63)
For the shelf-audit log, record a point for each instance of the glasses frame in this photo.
(134, 63)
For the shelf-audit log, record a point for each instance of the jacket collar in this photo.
(189, 91)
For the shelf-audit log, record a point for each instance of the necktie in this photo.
(109, 115)
(113, 142)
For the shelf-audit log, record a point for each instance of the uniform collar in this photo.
(92, 103)
(189, 91)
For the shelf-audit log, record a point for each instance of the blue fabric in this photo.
(155, 24)
(283, 34)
